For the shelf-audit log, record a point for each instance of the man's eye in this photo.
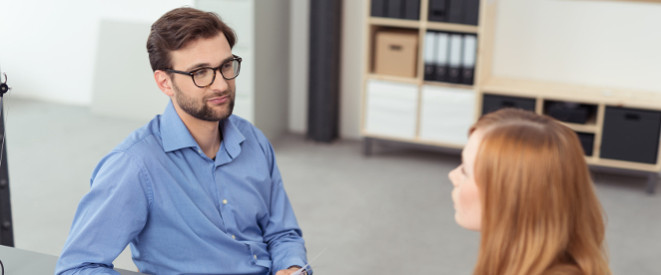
(200, 73)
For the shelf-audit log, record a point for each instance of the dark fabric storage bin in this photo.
(570, 112)
(492, 103)
(631, 135)
(587, 142)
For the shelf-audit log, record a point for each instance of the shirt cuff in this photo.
(293, 261)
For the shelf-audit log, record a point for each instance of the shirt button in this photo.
(199, 151)
(255, 256)
(224, 201)
(233, 237)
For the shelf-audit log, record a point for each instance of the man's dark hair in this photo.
(177, 28)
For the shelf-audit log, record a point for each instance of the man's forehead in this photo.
(207, 51)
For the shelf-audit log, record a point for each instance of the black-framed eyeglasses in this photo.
(205, 76)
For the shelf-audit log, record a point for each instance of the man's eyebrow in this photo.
(200, 65)
(197, 66)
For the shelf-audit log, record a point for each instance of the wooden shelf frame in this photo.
(599, 96)
(423, 26)
(487, 83)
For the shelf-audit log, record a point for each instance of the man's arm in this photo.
(282, 233)
(108, 217)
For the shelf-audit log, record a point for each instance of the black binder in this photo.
(442, 56)
(454, 64)
(378, 8)
(430, 56)
(456, 11)
(395, 8)
(412, 9)
(471, 10)
(438, 10)
(468, 59)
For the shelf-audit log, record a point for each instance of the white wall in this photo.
(599, 43)
(351, 78)
(48, 48)
(298, 60)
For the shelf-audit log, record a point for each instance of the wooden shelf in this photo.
(451, 27)
(598, 99)
(572, 92)
(393, 78)
(624, 164)
(447, 84)
(392, 22)
(583, 128)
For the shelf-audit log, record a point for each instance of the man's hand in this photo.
(289, 271)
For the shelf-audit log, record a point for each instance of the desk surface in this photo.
(23, 262)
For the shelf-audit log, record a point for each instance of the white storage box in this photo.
(446, 114)
(391, 109)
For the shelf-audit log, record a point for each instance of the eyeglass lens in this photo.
(205, 76)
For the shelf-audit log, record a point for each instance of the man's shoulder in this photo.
(145, 138)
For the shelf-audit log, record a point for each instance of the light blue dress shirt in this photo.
(182, 212)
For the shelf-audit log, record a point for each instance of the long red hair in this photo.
(540, 211)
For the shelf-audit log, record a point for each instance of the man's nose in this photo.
(219, 83)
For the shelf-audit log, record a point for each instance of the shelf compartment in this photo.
(492, 102)
(395, 52)
(451, 27)
(394, 22)
(571, 112)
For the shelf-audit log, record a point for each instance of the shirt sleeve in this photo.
(108, 217)
(282, 233)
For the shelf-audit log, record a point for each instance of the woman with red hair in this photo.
(524, 184)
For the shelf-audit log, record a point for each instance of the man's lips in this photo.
(219, 99)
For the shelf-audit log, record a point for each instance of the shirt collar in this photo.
(232, 137)
(176, 136)
(174, 133)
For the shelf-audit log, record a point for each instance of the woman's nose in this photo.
(453, 176)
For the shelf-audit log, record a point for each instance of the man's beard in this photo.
(201, 110)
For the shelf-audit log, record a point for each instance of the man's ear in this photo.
(164, 82)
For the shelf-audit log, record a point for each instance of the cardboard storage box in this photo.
(396, 53)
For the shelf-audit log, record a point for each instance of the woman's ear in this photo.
(164, 82)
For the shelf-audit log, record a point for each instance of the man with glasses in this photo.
(197, 190)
